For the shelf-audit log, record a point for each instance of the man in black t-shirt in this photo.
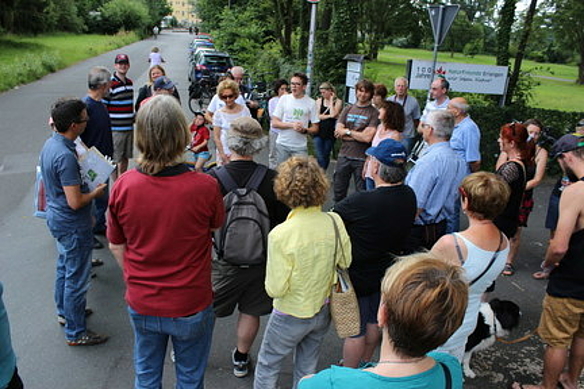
(378, 223)
(243, 286)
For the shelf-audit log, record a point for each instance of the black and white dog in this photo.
(496, 319)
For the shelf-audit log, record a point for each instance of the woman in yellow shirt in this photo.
(300, 272)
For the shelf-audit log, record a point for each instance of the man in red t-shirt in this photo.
(161, 219)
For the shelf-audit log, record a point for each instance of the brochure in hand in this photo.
(95, 167)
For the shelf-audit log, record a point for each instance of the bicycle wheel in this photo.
(195, 104)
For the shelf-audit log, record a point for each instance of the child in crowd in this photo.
(155, 58)
(199, 142)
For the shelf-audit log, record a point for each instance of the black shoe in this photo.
(95, 262)
(97, 244)
(88, 339)
(100, 232)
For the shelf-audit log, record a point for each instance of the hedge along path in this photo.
(26, 59)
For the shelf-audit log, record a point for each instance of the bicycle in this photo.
(201, 92)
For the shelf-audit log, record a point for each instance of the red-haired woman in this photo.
(513, 141)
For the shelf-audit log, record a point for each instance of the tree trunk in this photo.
(521, 49)
(504, 32)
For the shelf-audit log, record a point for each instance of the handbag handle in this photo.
(337, 241)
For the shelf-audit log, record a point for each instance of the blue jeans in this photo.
(453, 221)
(191, 339)
(72, 282)
(323, 148)
(286, 334)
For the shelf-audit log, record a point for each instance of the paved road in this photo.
(27, 260)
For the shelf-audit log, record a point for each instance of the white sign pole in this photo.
(311, 39)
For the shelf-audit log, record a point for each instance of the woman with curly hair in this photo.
(228, 91)
(302, 255)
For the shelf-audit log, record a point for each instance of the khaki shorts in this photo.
(123, 145)
(562, 319)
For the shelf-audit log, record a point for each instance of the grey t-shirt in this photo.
(411, 111)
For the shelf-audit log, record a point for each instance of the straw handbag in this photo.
(343, 302)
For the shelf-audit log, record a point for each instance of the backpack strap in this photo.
(257, 177)
(447, 375)
(225, 179)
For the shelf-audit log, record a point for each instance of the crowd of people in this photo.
(256, 238)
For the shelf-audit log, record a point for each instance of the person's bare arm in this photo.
(540, 164)
(278, 123)
(118, 251)
(77, 200)
(503, 157)
(570, 210)
(313, 129)
(337, 108)
(445, 250)
(365, 136)
(217, 138)
(474, 166)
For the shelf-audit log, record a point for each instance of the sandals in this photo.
(509, 270)
(541, 275)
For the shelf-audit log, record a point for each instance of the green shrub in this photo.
(491, 118)
(30, 68)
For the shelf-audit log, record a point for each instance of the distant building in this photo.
(184, 12)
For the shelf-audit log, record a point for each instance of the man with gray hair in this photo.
(378, 223)
(435, 179)
(98, 133)
(411, 111)
(238, 283)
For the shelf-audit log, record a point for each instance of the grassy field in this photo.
(551, 94)
(25, 59)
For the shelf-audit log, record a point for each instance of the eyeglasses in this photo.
(225, 97)
(296, 83)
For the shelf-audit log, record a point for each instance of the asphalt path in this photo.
(27, 260)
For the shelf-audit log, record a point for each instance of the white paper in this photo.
(95, 168)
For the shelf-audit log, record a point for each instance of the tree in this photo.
(124, 14)
(507, 16)
(521, 49)
(567, 19)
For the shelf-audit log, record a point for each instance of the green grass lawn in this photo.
(551, 94)
(25, 59)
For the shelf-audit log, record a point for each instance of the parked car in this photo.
(206, 63)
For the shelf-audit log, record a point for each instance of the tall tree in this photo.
(506, 18)
(568, 18)
(521, 48)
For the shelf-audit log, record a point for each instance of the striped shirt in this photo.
(120, 104)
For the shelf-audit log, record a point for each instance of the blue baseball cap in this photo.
(163, 82)
(389, 152)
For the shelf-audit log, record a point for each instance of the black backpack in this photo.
(242, 240)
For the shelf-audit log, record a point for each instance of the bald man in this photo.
(466, 138)
(465, 141)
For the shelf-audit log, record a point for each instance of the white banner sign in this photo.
(462, 77)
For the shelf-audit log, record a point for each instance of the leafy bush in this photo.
(31, 67)
(117, 15)
(491, 118)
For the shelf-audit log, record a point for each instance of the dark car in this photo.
(209, 63)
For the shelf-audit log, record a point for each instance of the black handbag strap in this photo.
(495, 254)
(447, 375)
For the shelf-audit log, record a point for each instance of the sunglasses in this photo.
(225, 97)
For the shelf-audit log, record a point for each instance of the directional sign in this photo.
(441, 18)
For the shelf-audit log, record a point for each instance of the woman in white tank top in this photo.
(481, 249)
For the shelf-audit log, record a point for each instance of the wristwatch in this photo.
(348, 132)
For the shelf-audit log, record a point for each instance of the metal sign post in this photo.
(311, 39)
(441, 18)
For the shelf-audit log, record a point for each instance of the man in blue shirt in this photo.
(435, 179)
(98, 133)
(466, 142)
(69, 218)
